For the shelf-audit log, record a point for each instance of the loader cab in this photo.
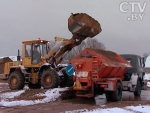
(33, 51)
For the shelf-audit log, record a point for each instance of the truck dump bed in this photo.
(100, 63)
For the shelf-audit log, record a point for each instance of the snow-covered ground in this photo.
(53, 95)
(128, 109)
(50, 95)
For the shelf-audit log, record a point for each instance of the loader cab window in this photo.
(43, 48)
(36, 54)
(38, 50)
(28, 51)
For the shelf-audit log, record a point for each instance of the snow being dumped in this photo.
(50, 95)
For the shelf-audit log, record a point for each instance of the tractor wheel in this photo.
(109, 96)
(34, 86)
(138, 88)
(49, 79)
(16, 80)
(67, 81)
(117, 95)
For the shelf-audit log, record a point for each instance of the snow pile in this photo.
(109, 110)
(77, 111)
(11, 94)
(50, 95)
(128, 109)
(143, 109)
(13, 58)
(3, 83)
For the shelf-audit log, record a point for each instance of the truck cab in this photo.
(138, 64)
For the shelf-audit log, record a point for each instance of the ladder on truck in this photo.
(95, 76)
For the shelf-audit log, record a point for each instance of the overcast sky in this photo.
(30, 19)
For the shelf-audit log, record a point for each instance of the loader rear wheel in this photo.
(34, 86)
(117, 95)
(138, 88)
(49, 79)
(67, 81)
(16, 80)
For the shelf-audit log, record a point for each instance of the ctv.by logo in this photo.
(136, 8)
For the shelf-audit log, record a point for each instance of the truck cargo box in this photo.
(100, 64)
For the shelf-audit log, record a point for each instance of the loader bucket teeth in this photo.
(83, 25)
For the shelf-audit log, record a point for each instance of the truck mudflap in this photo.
(78, 84)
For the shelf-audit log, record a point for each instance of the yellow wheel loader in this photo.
(38, 66)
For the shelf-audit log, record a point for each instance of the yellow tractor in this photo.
(38, 66)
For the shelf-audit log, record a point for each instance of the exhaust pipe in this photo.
(18, 57)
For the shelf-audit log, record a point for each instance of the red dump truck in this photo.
(99, 71)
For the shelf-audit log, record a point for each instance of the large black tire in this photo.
(109, 96)
(67, 81)
(16, 80)
(138, 89)
(117, 95)
(49, 79)
(34, 86)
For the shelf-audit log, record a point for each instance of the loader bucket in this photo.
(84, 25)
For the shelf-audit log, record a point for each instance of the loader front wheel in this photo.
(16, 80)
(49, 79)
(34, 86)
(117, 95)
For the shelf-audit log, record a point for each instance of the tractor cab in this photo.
(33, 51)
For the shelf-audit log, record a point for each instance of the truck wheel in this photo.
(34, 86)
(138, 88)
(109, 96)
(68, 80)
(117, 95)
(49, 79)
(16, 80)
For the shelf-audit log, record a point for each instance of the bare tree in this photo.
(146, 54)
(89, 43)
(94, 44)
